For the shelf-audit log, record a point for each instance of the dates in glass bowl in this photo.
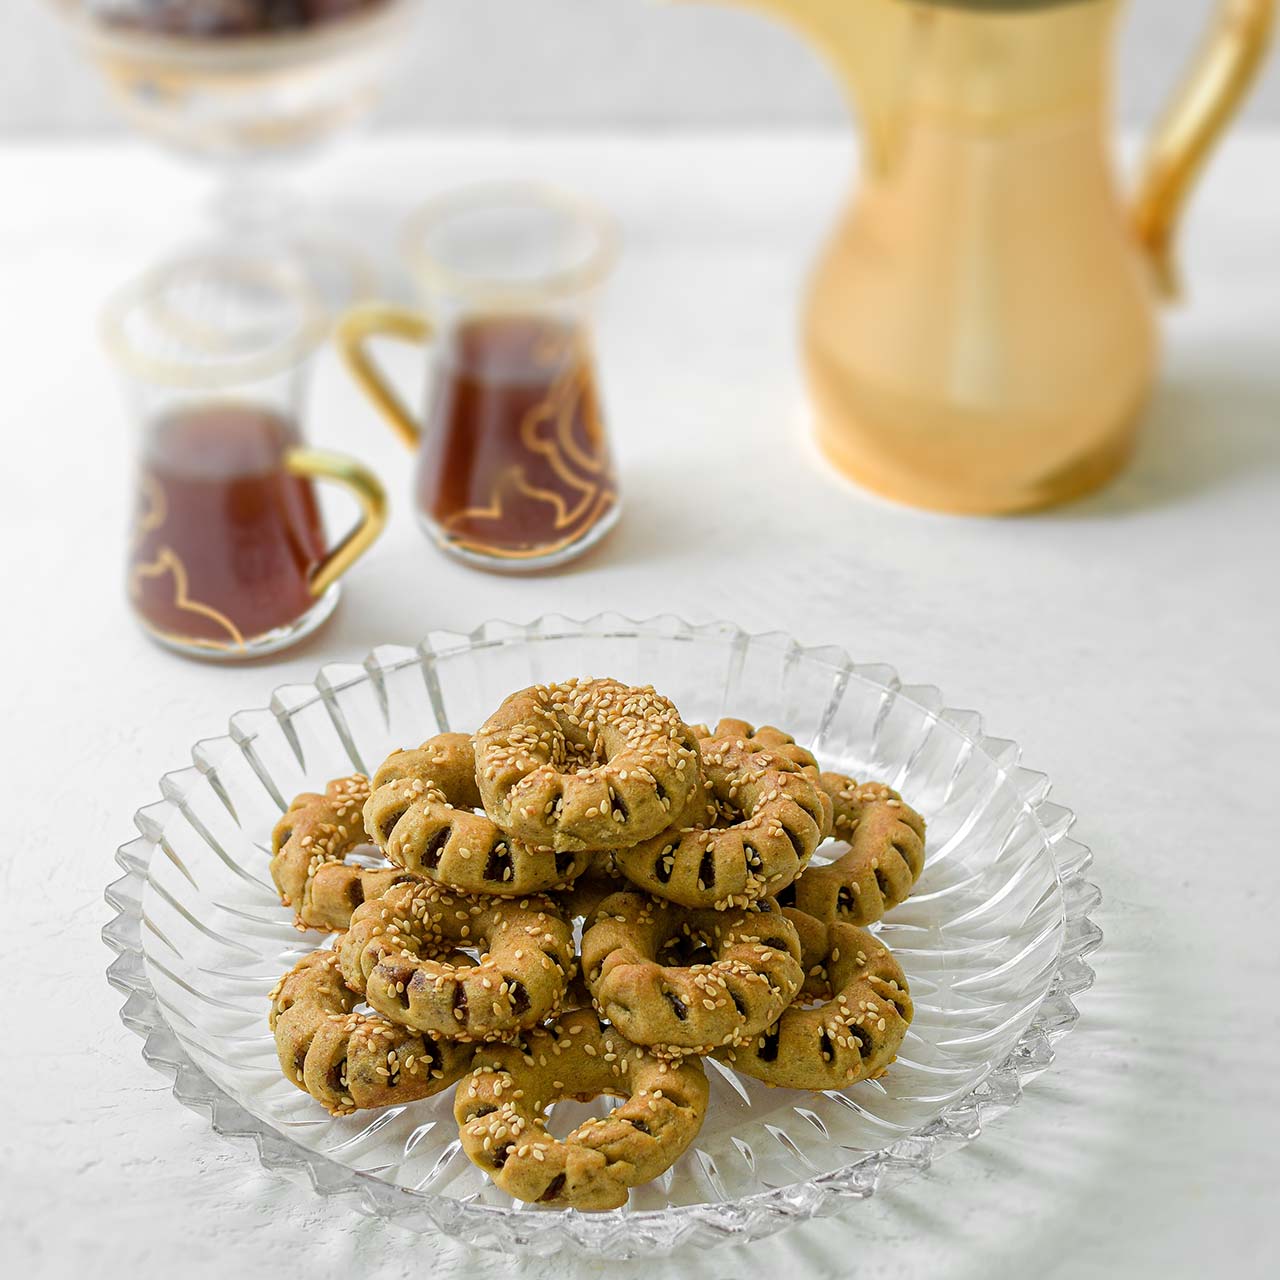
(223, 18)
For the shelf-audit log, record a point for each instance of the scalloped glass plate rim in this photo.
(824, 1193)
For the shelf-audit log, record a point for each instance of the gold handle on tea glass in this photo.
(315, 464)
(373, 320)
(1201, 110)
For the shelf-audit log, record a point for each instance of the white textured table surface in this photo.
(1129, 642)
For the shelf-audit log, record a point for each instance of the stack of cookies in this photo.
(685, 853)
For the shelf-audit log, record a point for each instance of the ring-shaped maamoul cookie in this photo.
(501, 1113)
(422, 814)
(884, 861)
(773, 815)
(767, 737)
(349, 1060)
(399, 949)
(688, 981)
(854, 1035)
(315, 831)
(588, 764)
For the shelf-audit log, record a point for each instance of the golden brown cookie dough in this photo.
(501, 1113)
(349, 1060)
(447, 761)
(884, 861)
(766, 737)
(585, 765)
(314, 831)
(422, 814)
(398, 954)
(688, 981)
(854, 1035)
(772, 816)
(338, 888)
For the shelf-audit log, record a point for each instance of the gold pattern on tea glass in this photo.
(168, 561)
(547, 431)
(153, 515)
(512, 481)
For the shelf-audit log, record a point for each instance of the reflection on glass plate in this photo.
(993, 940)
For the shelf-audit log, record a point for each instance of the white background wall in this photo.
(498, 64)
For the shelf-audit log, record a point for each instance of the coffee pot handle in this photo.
(377, 319)
(1202, 108)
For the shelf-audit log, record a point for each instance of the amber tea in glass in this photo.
(226, 537)
(514, 458)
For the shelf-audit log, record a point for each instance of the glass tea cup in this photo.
(228, 556)
(514, 469)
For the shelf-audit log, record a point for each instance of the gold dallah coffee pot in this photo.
(980, 332)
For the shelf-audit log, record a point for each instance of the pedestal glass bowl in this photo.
(250, 107)
(993, 940)
(233, 98)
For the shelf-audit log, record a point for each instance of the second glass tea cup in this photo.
(514, 469)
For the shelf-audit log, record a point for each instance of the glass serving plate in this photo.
(993, 940)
